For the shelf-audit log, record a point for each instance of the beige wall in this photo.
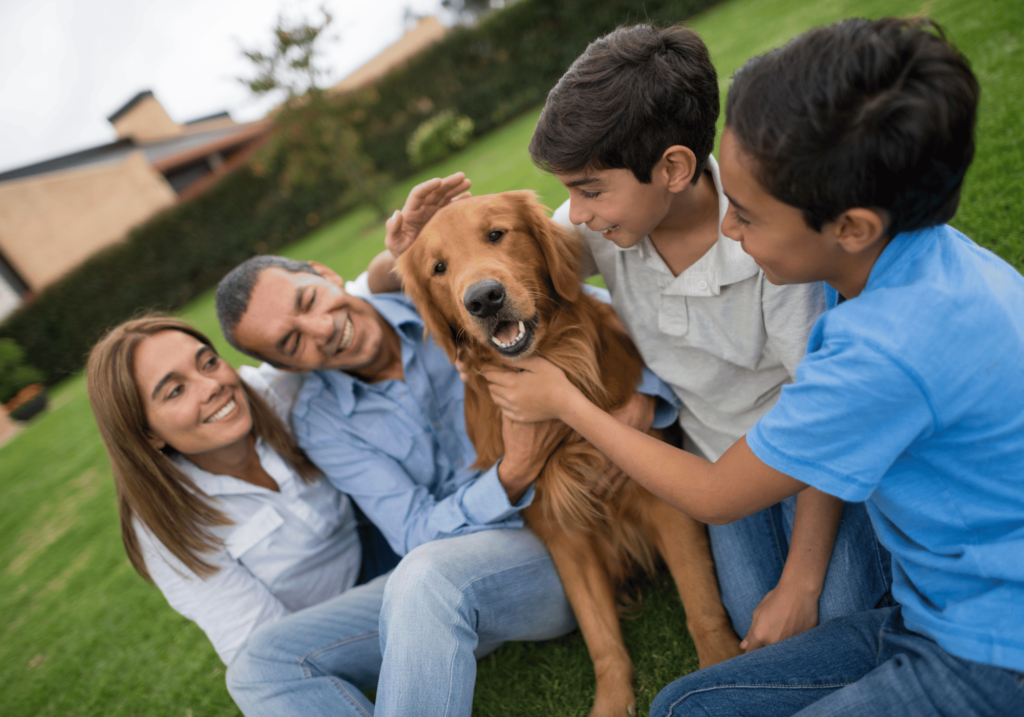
(427, 31)
(146, 121)
(51, 223)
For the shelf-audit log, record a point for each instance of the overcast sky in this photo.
(68, 64)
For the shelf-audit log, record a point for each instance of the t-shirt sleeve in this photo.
(588, 265)
(851, 413)
(789, 313)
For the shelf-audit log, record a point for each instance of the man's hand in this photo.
(423, 202)
(782, 613)
(527, 447)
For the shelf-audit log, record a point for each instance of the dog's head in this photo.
(489, 270)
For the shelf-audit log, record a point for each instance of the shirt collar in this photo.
(213, 484)
(401, 315)
(723, 264)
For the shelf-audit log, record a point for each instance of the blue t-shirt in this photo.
(911, 397)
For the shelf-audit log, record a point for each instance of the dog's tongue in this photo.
(507, 331)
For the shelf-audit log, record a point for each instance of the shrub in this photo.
(164, 263)
(15, 374)
(436, 138)
(497, 70)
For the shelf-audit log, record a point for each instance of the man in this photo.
(381, 413)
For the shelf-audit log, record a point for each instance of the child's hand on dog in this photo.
(424, 200)
(537, 392)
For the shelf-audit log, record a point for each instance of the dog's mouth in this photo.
(512, 337)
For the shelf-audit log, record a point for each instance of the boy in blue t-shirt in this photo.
(843, 157)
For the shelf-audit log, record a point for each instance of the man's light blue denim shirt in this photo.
(400, 448)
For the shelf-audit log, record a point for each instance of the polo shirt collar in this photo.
(400, 314)
(723, 264)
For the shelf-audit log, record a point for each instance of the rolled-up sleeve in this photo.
(404, 509)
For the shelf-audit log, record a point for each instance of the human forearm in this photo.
(381, 275)
(791, 607)
(717, 493)
(814, 534)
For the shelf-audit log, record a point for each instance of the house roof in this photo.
(126, 108)
(164, 154)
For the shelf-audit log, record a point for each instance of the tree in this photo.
(313, 139)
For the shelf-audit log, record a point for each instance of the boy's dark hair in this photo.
(631, 95)
(235, 290)
(862, 113)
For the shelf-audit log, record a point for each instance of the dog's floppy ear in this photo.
(409, 266)
(560, 247)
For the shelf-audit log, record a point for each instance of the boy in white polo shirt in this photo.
(629, 131)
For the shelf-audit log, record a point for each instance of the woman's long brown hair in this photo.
(150, 486)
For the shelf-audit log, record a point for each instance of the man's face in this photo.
(616, 204)
(307, 322)
(773, 233)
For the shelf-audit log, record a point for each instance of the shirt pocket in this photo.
(253, 531)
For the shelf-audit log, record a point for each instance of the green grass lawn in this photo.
(82, 634)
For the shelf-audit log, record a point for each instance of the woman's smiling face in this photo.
(194, 401)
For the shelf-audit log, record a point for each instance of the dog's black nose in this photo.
(484, 298)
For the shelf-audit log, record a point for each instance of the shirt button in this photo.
(703, 285)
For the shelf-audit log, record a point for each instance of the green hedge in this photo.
(162, 265)
(490, 73)
(497, 70)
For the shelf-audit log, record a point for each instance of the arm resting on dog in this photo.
(738, 485)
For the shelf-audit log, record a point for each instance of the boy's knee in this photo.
(690, 695)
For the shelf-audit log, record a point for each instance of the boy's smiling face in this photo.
(616, 204)
(773, 233)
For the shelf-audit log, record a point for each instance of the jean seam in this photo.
(827, 685)
(301, 662)
(345, 693)
(478, 578)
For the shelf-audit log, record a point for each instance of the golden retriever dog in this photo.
(495, 278)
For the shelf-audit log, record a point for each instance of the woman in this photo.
(218, 505)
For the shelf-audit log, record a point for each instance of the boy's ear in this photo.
(860, 228)
(677, 165)
(327, 273)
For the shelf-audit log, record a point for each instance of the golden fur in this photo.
(506, 242)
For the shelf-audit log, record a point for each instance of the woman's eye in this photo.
(211, 362)
(440, 267)
(590, 195)
(495, 236)
(738, 219)
(175, 392)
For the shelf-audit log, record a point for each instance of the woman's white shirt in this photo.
(285, 551)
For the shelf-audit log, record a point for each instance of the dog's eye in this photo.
(495, 236)
(440, 267)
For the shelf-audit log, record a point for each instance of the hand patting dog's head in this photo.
(489, 270)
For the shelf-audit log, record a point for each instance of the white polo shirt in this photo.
(721, 335)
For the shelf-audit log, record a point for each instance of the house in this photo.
(425, 33)
(54, 214)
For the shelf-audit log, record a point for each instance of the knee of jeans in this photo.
(686, 696)
(257, 662)
(424, 580)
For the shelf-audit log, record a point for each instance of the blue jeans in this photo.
(863, 664)
(418, 629)
(750, 554)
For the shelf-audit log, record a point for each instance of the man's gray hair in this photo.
(235, 290)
